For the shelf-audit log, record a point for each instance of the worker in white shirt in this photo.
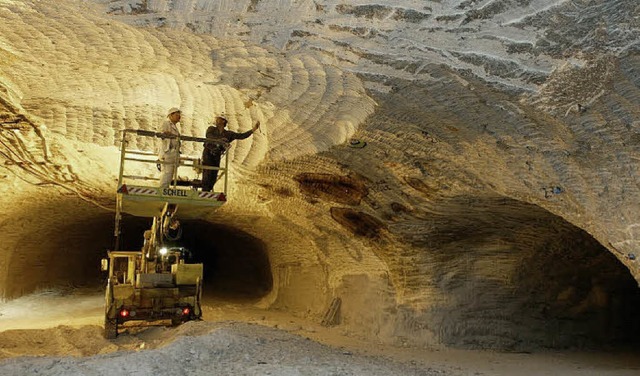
(169, 152)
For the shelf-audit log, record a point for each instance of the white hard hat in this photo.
(172, 110)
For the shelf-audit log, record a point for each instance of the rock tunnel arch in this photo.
(236, 264)
(495, 272)
(56, 250)
(484, 272)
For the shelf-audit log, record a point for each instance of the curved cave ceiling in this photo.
(491, 205)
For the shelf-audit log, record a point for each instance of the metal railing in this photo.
(149, 157)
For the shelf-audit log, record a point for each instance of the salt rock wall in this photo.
(87, 79)
(571, 64)
(513, 44)
(71, 80)
(492, 206)
(468, 195)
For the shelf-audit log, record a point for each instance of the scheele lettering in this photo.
(174, 192)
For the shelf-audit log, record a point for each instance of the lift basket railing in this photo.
(128, 154)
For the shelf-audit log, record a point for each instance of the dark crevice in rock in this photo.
(357, 222)
(339, 189)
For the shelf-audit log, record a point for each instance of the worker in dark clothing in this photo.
(213, 150)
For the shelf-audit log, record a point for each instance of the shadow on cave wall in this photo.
(236, 264)
(67, 253)
(64, 254)
(516, 277)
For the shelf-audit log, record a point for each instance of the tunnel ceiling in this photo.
(430, 160)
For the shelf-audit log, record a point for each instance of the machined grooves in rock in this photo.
(491, 200)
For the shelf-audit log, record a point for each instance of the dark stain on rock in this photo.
(420, 186)
(399, 208)
(357, 222)
(284, 192)
(280, 191)
(340, 189)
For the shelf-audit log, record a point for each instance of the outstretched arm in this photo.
(241, 136)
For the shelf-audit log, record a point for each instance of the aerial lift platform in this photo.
(137, 197)
(156, 282)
